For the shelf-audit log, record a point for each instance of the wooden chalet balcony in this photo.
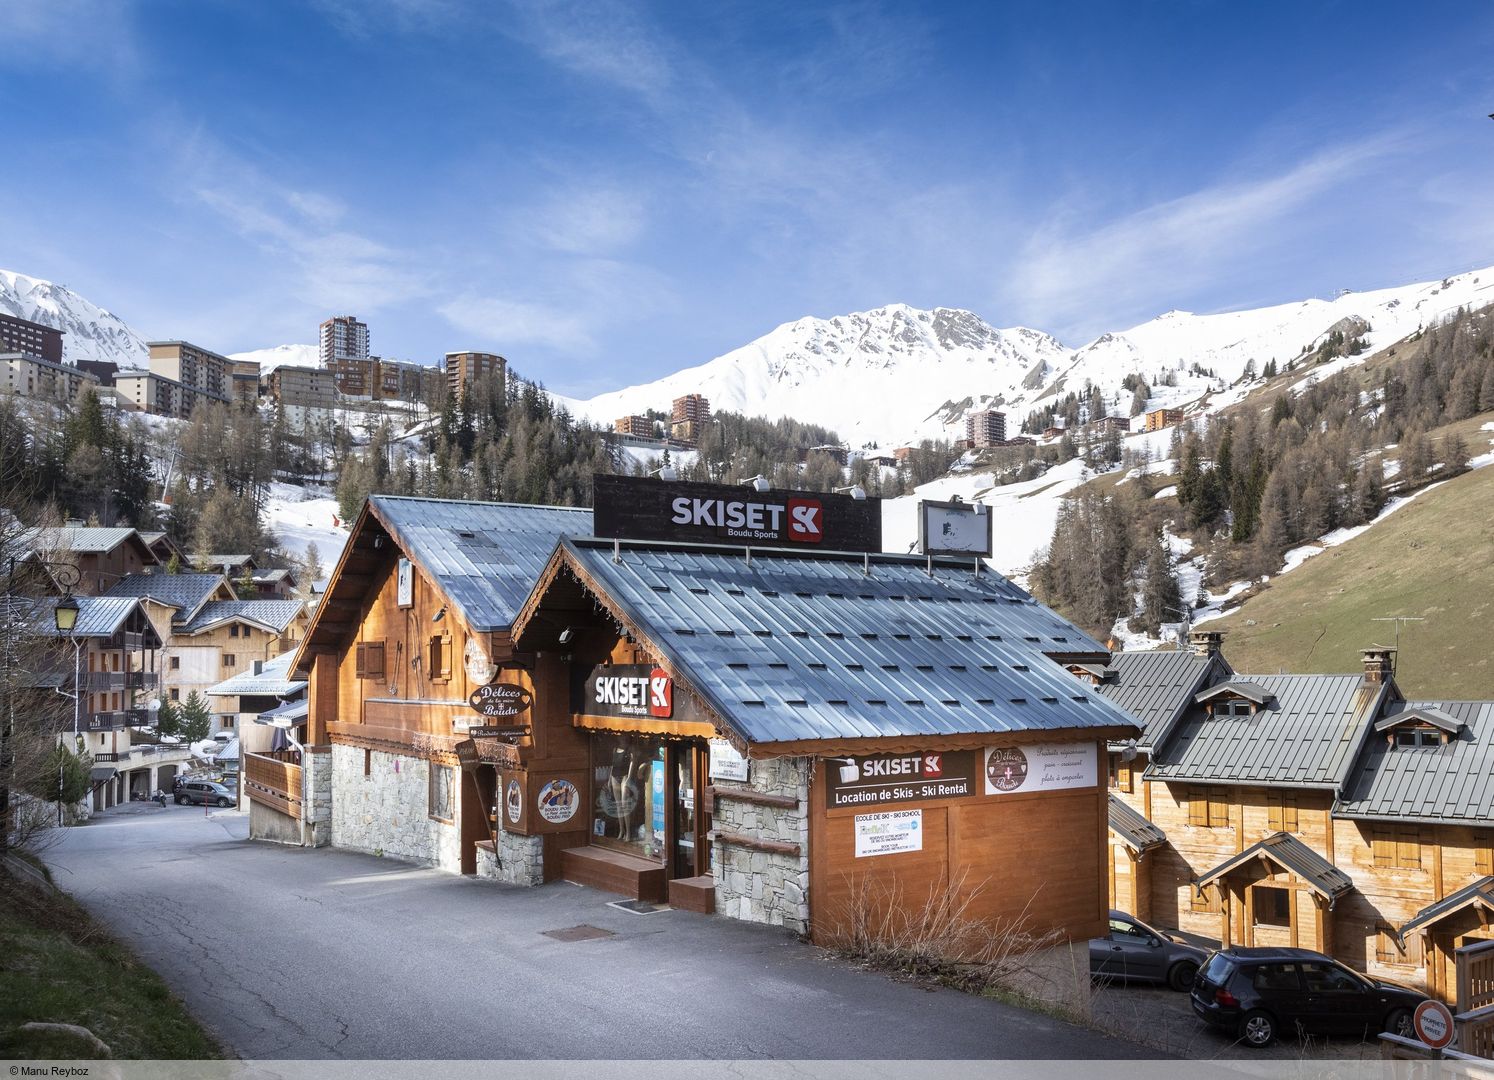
(273, 778)
(113, 721)
(119, 680)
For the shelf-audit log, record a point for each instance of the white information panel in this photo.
(1013, 770)
(726, 763)
(405, 584)
(954, 528)
(889, 833)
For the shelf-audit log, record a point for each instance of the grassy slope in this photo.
(58, 965)
(1434, 558)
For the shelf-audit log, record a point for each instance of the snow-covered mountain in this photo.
(873, 376)
(898, 374)
(90, 332)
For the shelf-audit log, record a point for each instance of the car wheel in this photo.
(1399, 1023)
(181, 800)
(1257, 1029)
(223, 801)
(1181, 975)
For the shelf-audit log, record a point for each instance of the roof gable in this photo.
(1157, 686)
(272, 615)
(1452, 783)
(186, 593)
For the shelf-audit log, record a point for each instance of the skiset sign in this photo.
(627, 690)
(639, 508)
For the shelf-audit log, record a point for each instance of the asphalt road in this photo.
(290, 953)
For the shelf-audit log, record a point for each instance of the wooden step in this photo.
(613, 871)
(694, 894)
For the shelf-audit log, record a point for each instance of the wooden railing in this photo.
(1475, 964)
(274, 782)
(1476, 1032)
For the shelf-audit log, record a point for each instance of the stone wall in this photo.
(761, 886)
(316, 781)
(385, 812)
(521, 859)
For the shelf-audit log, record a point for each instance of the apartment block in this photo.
(191, 365)
(158, 395)
(463, 367)
(1158, 419)
(985, 428)
(640, 427)
(688, 417)
(243, 381)
(343, 337)
(28, 375)
(19, 335)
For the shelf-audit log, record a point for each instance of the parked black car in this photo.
(205, 791)
(1259, 994)
(1134, 950)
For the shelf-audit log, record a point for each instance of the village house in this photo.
(1322, 811)
(102, 556)
(772, 735)
(225, 638)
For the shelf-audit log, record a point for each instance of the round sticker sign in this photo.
(514, 801)
(1433, 1022)
(1006, 768)
(558, 801)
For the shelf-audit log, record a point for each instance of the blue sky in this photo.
(607, 192)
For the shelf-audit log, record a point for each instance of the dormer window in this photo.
(1418, 736)
(1234, 707)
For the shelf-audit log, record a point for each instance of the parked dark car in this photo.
(1134, 950)
(1259, 994)
(205, 791)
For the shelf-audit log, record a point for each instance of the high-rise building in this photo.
(343, 337)
(689, 415)
(32, 338)
(193, 366)
(986, 428)
(463, 367)
(639, 427)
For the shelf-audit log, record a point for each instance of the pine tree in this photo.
(196, 719)
(1161, 598)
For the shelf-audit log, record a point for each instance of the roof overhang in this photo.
(1434, 717)
(1292, 855)
(1237, 688)
(1479, 895)
(1133, 828)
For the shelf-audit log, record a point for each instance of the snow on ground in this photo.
(1167, 493)
(300, 517)
(648, 458)
(1024, 513)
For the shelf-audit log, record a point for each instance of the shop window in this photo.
(1398, 848)
(1273, 906)
(1282, 809)
(369, 659)
(628, 788)
(1208, 809)
(442, 801)
(1120, 774)
(1388, 948)
(1210, 901)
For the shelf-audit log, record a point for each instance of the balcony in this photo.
(113, 721)
(105, 681)
(273, 779)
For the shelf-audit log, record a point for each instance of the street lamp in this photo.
(66, 614)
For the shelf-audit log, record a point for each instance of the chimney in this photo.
(1379, 664)
(1206, 642)
(258, 667)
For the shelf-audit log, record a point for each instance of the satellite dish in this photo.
(154, 705)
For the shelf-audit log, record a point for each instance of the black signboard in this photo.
(500, 701)
(893, 778)
(626, 690)
(642, 508)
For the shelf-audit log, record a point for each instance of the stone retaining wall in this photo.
(761, 886)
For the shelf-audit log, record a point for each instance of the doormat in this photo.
(578, 933)
(637, 907)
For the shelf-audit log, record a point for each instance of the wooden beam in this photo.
(752, 843)
(756, 798)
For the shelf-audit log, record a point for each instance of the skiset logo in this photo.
(628, 690)
(806, 520)
(660, 693)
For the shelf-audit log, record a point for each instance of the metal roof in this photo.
(787, 647)
(1453, 783)
(1306, 735)
(1291, 854)
(81, 540)
(185, 592)
(1135, 831)
(276, 614)
(484, 556)
(273, 678)
(1155, 686)
(98, 616)
(1426, 714)
(1480, 893)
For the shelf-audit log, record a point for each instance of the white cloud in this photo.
(517, 322)
(1067, 271)
(588, 221)
(600, 39)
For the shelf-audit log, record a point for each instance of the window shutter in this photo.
(1483, 860)
(1198, 807)
(361, 661)
(1274, 807)
(370, 659)
(1218, 809)
(1408, 849)
(1289, 813)
(1383, 846)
